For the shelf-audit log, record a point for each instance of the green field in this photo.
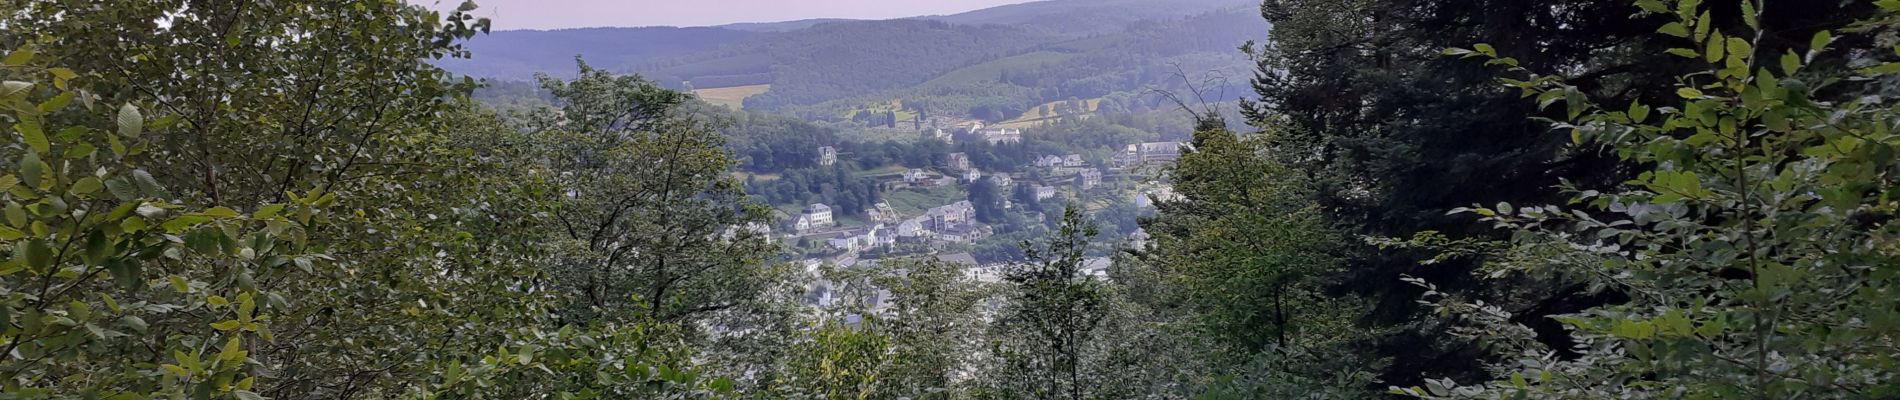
(760, 177)
(731, 97)
(892, 169)
(897, 106)
(913, 202)
(1035, 115)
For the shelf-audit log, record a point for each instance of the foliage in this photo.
(1045, 334)
(1755, 244)
(1392, 134)
(1245, 255)
(201, 258)
(110, 289)
(988, 199)
(650, 227)
(836, 362)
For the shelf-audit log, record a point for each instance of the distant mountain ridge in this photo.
(782, 26)
(1007, 57)
(1088, 16)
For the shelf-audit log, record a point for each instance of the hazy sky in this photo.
(554, 14)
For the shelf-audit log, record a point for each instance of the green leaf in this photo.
(129, 274)
(32, 170)
(233, 350)
(130, 121)
(184, 222)
(1689, 93)
(1790, 63)
(1485, 49)
(10, 88)
(1703, 25)
(1749, 15)
(247, 395)
(30, 132)
(1574, 99)
(1739, 47)
(227, 326)
(36, 253)
(1776, 120)
(1881, 69)
(268, 211)
(58, 102)
(62, 73)
(18, 57)
(1638, 112)
(7, 182)
(1714, 50)
(220, 212)
(86, 185)
(146, 183)
(1684, 53)
(1820, 41)
(16, 215)
(1655, 6)
(134, 323)
(1674, 29)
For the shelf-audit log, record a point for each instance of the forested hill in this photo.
(518, 55)
(1089, 16)
(811, 62)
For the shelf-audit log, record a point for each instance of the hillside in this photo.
(992, 64)
(518, 55)
(1088, 16)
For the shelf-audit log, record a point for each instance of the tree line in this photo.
(1466, 199)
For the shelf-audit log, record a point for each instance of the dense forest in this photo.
(1452, 199)
(1001, 61)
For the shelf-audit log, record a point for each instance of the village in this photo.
(946, 228)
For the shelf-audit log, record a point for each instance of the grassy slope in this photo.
(913, 202)
(1035, 116)
(731, 97)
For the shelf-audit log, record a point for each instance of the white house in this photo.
(1162, 194)
(1073, 161)
(1045, 192)
(916, 176)
(959, 161)
(913, 228)
(1088, 178)
(819, 215)
(999, 136)
(961, 233)
(944, 217)
(972, 175)
(882, 236)
(827, 155)
(1001, 180)
(803, 224)
(846, 243)
(1049, 161)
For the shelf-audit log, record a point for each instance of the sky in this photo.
(556, 14)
